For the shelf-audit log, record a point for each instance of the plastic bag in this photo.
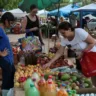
(10, 92)
(88, 64)
(30, 43)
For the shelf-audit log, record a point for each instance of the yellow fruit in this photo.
(16, 78)
(16, 84)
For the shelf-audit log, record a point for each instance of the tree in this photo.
(9, 4)
(3, 3)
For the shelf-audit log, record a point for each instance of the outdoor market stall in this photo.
(61, 72)
(60, 79)
(64, 11)
(88, 9)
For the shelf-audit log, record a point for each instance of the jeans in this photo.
(8, 71)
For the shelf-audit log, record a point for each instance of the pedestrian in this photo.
(6, 56)
(78, 39)
(30, 24)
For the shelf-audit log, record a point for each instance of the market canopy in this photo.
(90, 16)
(18, 13)
(64, 11)
(88, 9)
(41, 4)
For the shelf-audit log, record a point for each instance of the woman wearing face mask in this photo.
(6, 56)
(30, 24)
(79, 40)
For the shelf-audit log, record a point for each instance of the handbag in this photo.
(88, 64)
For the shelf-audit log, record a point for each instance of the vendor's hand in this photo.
(47, 65)
(35, 28)
(4, 53)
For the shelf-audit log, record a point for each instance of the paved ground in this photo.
(14, 38)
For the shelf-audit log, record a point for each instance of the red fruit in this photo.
(38, 61)
(42, 62)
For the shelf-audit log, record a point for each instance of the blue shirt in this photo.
(4, 43)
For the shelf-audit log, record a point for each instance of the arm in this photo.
(58, 54)
(91, 43)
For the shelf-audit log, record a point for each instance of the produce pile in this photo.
(44, 58)
(71, 79)
(24, 72)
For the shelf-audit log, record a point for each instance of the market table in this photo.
(20, 91)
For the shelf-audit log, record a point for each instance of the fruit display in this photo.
(43, 59)
(24, 72)
(51, 55)
(62, 62)
(73, 80)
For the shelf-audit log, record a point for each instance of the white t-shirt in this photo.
(78, 43)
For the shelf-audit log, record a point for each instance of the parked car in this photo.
(92, 24)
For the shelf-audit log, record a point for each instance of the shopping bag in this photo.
(30, 43)
(88, 64)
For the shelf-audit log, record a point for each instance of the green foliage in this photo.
(9, 4)
(3, 3)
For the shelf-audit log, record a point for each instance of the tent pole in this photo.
(81, 17)
(58, 15)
